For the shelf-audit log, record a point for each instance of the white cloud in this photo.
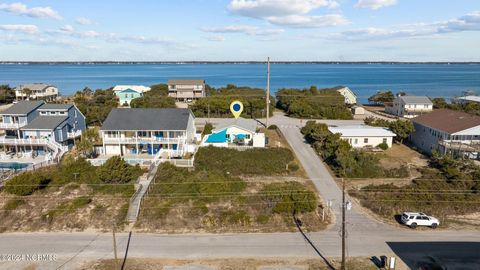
(67, 29)
(274, 8)
(375, 4)
(469, 22)
(310, 21)
(217, 38)
(83, 21)
(36, 12)
(23, 28)
(291, 13)
(246, 29)
(89, 34)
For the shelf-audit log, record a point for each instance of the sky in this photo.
(240, 30)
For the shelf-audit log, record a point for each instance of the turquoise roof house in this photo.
(127, 95)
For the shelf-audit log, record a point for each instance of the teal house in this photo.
(127, 93)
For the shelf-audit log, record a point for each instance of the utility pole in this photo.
(343, 225)
(115, 247)
(208, 111)
(268, 92)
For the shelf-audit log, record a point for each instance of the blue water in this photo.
(365, 79)
(14, 165)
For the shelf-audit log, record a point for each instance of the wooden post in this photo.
(115, 248)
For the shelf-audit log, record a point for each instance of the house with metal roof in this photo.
(448, 132)
(410, 106)
(186, 89)
(36, 91)
(361, 136)
(150, 133)
(347, 93)
(127, 93)
(235, 132)
(34, 126)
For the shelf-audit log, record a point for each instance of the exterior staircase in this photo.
(142, 188)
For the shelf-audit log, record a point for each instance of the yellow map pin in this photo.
(236, 108)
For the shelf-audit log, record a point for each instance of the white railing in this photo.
(135, 140)
(74, 134)
(12, 125)
(147, 162)
(14, 141)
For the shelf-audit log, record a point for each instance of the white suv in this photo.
(413, 220)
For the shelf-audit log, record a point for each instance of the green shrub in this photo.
(293, 166)
(273, 127)
(239, 217)
(383, 146)
(207, 129)
(27, 183)
(263, 219)
(117, 171)
(265, 161)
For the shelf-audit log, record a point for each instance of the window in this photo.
(62, 113)
(419, 218)
(365, 140)
(142, 134)
(75, 113)
(247, 137)
(356, 141)
(173, 86)
(425, 106)
(43, 113)
(384, 140)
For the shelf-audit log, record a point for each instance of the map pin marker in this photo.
(236, 108)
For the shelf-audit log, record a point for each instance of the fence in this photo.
(147, 162)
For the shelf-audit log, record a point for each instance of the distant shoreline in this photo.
(228, 62)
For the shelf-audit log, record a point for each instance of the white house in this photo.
(152, 133)
(467, 99)
(348, 94)
(360, 136)
(36, 91)
(410, 106)
(238, 131)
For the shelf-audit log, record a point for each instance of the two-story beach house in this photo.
(148, 133)
(186, 90)
(448, 132)
(34, 126)
(127, 93)
(36, 91)
(410, 106)
(361, 136)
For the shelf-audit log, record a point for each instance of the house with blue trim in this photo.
(235, 132)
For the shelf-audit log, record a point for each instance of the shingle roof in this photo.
(45, 122)
(247, 124)
(448, 120)
(185, 81)
(147, 119)
(52, 106)
(416, 99)
(362, 131)
(34, 86)
(23, 107)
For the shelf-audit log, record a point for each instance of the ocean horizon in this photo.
(440, 79)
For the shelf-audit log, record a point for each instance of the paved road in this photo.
(72, 249)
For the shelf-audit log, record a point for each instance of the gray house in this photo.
(448, 132)
(410, 106)
(36, 126)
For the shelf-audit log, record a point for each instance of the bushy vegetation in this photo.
(267, 161)
(402, 128)
(7, 95)
(382, 97)
(27, 183)
(95, 105)
(451, 187)
(217, 102)
(117, 171)
(288, 198)
(157, 97)
(468, 107)
(313, 103)
(342, 158)
(207, 129)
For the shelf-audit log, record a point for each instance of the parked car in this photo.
(413, 219)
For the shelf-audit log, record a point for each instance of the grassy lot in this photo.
(230, 190)
(359, 263)
(71, 196)
(448, 189)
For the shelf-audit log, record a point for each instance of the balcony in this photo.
(14, 141)
(140, 140)
(74, 134)
(12, 125)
